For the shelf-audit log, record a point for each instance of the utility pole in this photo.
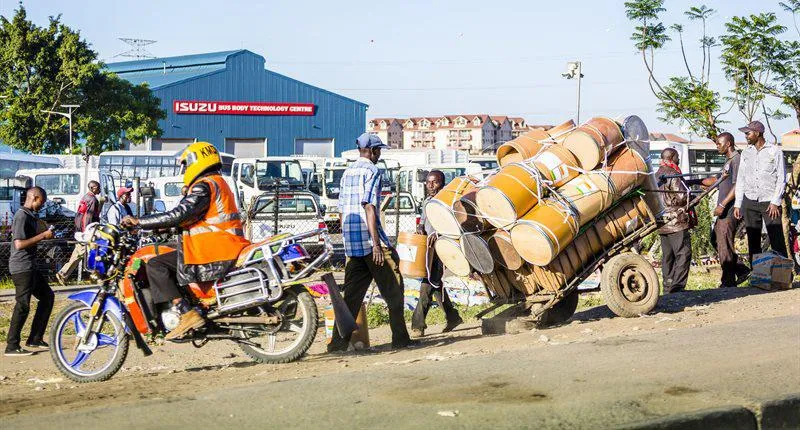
(574, 72)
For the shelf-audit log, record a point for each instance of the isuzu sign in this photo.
(195, 107)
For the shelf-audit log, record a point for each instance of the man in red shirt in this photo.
(88, 212)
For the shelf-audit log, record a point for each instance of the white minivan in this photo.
(256, 176)
(65, 186)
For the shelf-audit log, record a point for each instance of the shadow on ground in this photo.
(676, 302)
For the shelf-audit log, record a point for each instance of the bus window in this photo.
(63, 184)
(172, 189)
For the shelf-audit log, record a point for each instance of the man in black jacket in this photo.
(676, 245)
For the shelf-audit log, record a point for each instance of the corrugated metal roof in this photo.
(159, 72)
(179, 61)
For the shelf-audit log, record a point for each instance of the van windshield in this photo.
(60, 184)
(289, 172)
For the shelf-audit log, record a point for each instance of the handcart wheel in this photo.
(629, 285)
(560, 312)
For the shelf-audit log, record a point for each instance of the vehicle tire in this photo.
(304, 308)
(630, 285)
(66, 320)
(560, 312)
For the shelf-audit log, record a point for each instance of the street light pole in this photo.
(578, 112)
(574, 72)
(67, 115)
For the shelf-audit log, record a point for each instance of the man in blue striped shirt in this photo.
(367, 259)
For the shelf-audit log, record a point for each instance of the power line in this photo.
(506, 60)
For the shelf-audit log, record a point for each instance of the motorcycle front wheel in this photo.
(291, 337)
(100, 357)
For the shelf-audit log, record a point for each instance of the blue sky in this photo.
(424, 58)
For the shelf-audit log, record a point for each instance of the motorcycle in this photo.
(261, 304)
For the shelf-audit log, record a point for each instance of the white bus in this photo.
(12, 161)
(121, 168)
(64, 186)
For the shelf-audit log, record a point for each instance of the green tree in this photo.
(683, 99)
(793, 7)
(760, 64)
(44, 67)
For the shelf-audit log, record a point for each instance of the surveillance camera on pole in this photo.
(573, 72)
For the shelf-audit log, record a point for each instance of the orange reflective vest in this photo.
(219, 235)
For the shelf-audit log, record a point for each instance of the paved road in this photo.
(597, 382)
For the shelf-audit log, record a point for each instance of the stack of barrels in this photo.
(555, 203)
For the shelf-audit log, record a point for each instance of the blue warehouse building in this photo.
(231, 100)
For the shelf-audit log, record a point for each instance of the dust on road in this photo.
(32, 385)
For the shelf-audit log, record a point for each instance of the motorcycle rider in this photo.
(212, 234)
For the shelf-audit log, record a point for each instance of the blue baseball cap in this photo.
(368, 140)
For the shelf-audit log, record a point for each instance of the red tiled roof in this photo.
(668, 137)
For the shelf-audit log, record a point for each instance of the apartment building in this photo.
(390, 130)
(473, 133)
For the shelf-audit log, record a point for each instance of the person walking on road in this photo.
(26, 233)
(121, 208)
(676, 245)
(88, 212)
(432, 286)
(759, 190)
(367, 259)
(726, 225)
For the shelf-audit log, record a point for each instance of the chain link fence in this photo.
(51, 254)
(302, 211)
(284, 212)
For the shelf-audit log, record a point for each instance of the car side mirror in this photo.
(323, 209)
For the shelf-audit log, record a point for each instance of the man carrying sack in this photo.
(432, 286)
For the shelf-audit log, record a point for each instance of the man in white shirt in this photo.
(759, 190)
(120, 209)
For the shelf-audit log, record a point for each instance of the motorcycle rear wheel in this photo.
(67, 326)
(299, 316)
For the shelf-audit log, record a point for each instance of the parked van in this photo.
(412, 179)
(298, 212)
(326, 185)
(399, 214)
(64, 186)
(256, 176)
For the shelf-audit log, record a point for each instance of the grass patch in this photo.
(6, 284)
(378, 314)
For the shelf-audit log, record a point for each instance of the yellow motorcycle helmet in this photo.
(196, 159)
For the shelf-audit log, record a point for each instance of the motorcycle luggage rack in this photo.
(258, 291)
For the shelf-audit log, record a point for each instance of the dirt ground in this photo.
(33, 385)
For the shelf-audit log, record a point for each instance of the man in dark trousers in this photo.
(26, 233)
(367, 259)
(432, 286)
(676, 245)
(88, 212)
(759, 190)
(733, 273)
